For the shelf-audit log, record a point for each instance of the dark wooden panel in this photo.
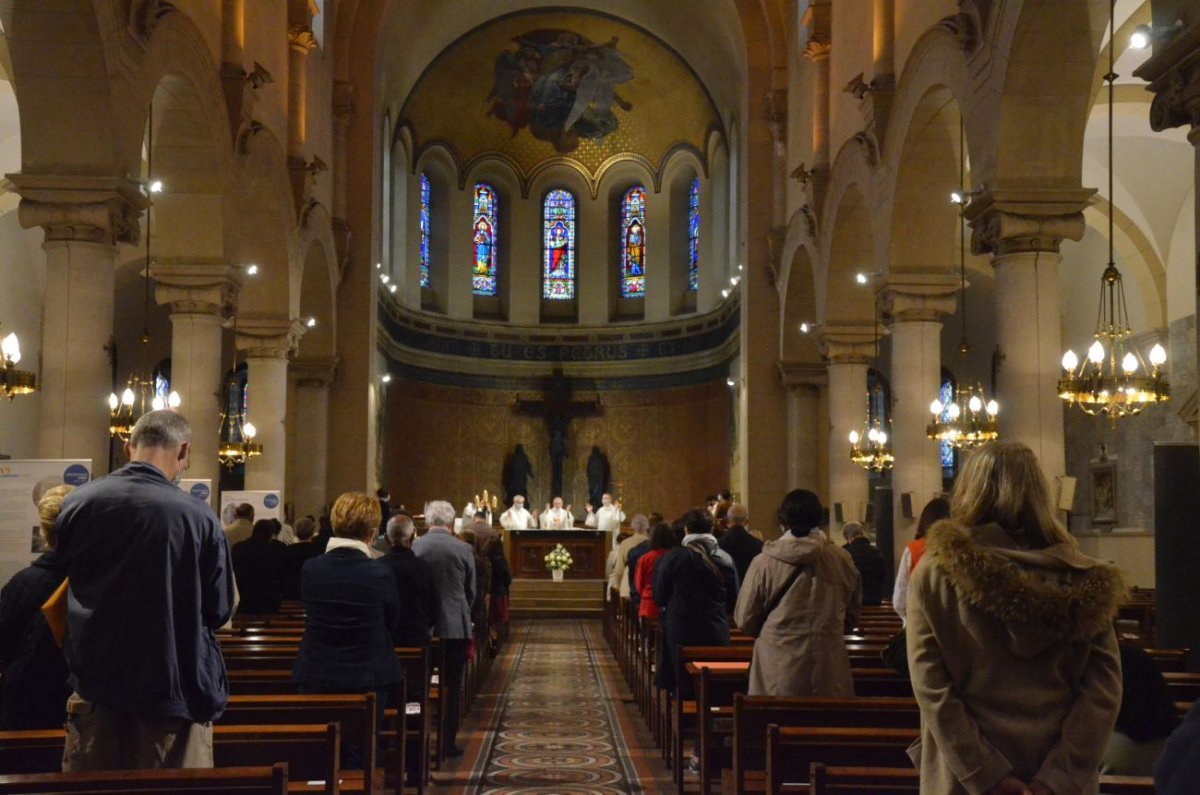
(588, 548)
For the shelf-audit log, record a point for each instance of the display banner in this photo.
(200, 488)
(267, 504)
(22, 484)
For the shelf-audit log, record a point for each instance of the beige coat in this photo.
(1014, 662)
(619, 578)
(799, 648)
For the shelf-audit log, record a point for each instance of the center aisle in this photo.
(555, 716)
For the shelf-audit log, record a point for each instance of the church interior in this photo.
(753, 245)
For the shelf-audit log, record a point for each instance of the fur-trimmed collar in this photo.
(1054, 593)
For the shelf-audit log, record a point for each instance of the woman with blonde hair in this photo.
(33, 688)
(1014, 661)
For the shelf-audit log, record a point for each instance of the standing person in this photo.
(801, 595)
(296, 555)
(150, 584)
(33, 673)
(351, 608)
(481, 608)
(518, 517)
(385, 508)
(607, 519)
(258, 566)
(556, 517)
(242, 525)
(1145, 721)
(662, 541)
(1014, 660)
(737, 540)
(501, 582)
(414, 580)
(935, 510)
(619, 578)
(453, 565)
(695, 588)
(867, 559)
(481, 527)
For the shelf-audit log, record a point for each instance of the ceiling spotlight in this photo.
(730, 382)
(387, 378)
(725, 293)
(391, 288)
(741, 268)
(378, 266)
(156, 186)
(956, 197)
(1140, 38)
(311, 322)
(252, 270)
(861, 278)
(804, 328)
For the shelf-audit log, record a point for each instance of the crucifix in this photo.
(558, 409)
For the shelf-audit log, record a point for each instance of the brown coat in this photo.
(799, 648)
(1014, 662)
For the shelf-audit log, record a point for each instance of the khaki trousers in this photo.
(106, 738)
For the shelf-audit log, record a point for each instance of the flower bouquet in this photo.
(557, 561)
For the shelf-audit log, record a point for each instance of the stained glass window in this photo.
(483, 269)
(946, 396)
(558, 244)
(633, 243)
(425, 281)
(694, 235)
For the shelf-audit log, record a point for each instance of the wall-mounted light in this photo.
(1144, 35)
(251, 270)
(861, 278)
(156, 186)
(383, 277)
(311, 322)
(378, 266)
(387, 378)
(391, 288)
(725, 293)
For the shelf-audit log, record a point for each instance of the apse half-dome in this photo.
(574, 87)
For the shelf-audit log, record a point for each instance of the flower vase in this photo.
(557, 574)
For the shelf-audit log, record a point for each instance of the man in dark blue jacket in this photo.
(150, 582)
(414, 579)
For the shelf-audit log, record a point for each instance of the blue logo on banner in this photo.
(200, 491)
(75, 475)
(270, 501)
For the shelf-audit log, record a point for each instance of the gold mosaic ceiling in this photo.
(574, 85)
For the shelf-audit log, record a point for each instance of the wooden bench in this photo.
(792, 750)
(311, 752)
(752, 715)
(221, 781)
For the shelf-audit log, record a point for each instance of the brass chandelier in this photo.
(871, 448)
(1113, 380)
(969, 419)
(141, 394)
(14, 382)
(235, 440)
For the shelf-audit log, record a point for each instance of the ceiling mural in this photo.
(571, 86)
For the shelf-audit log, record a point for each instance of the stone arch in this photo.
(1139, 258)
(317, 289)
(799, 306)
(849, 240)
(439, 166)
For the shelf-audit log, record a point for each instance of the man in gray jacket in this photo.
(453, 564)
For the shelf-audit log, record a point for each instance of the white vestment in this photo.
(608, 519)
(556, 519)
(516, 519)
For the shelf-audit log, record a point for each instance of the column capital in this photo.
(797, 375)
(315, 371)
(87, 209)
(818, 19)
(848, 344)
(301, 38)
(919, 297)
(268, 337)
(196, 286)
(1010, 221)
(1173, 71)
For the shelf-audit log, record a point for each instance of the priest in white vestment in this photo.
(607, 519)
(517, 517)
(556, 517)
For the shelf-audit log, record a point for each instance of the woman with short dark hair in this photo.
(801, 595)
(1010, 636)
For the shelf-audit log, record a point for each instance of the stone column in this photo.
(916, 304)
(300, 42)
(200, 294)
(267, 342)
(802, 382)
(818, 20)
(1024, 248)
(309, 456)
(847, 351)
(84, 218)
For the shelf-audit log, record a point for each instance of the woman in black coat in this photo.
(33, 689)
(258, 567)
(695, 588)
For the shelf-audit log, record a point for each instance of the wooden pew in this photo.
(792, 750)
(221, 781)
(752, 715)
(310, 752)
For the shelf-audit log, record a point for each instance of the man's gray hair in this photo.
(400, 529)
(639, 523)
(440, 513)
(164, 429)
(737, 515)
(853, 530)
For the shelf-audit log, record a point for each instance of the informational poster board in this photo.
(22, 484)
(267, 504)
(200, 488)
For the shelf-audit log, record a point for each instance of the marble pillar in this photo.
(1025, 255)
(267, 342)
(916, 305)
(83, 218)
(802, 384)
(847, 352)
(309, 450)
(200, 294)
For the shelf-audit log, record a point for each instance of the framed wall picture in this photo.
(1103, 475)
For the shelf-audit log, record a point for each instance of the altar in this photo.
(589, 549)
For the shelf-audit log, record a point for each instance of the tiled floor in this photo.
(555, 717)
